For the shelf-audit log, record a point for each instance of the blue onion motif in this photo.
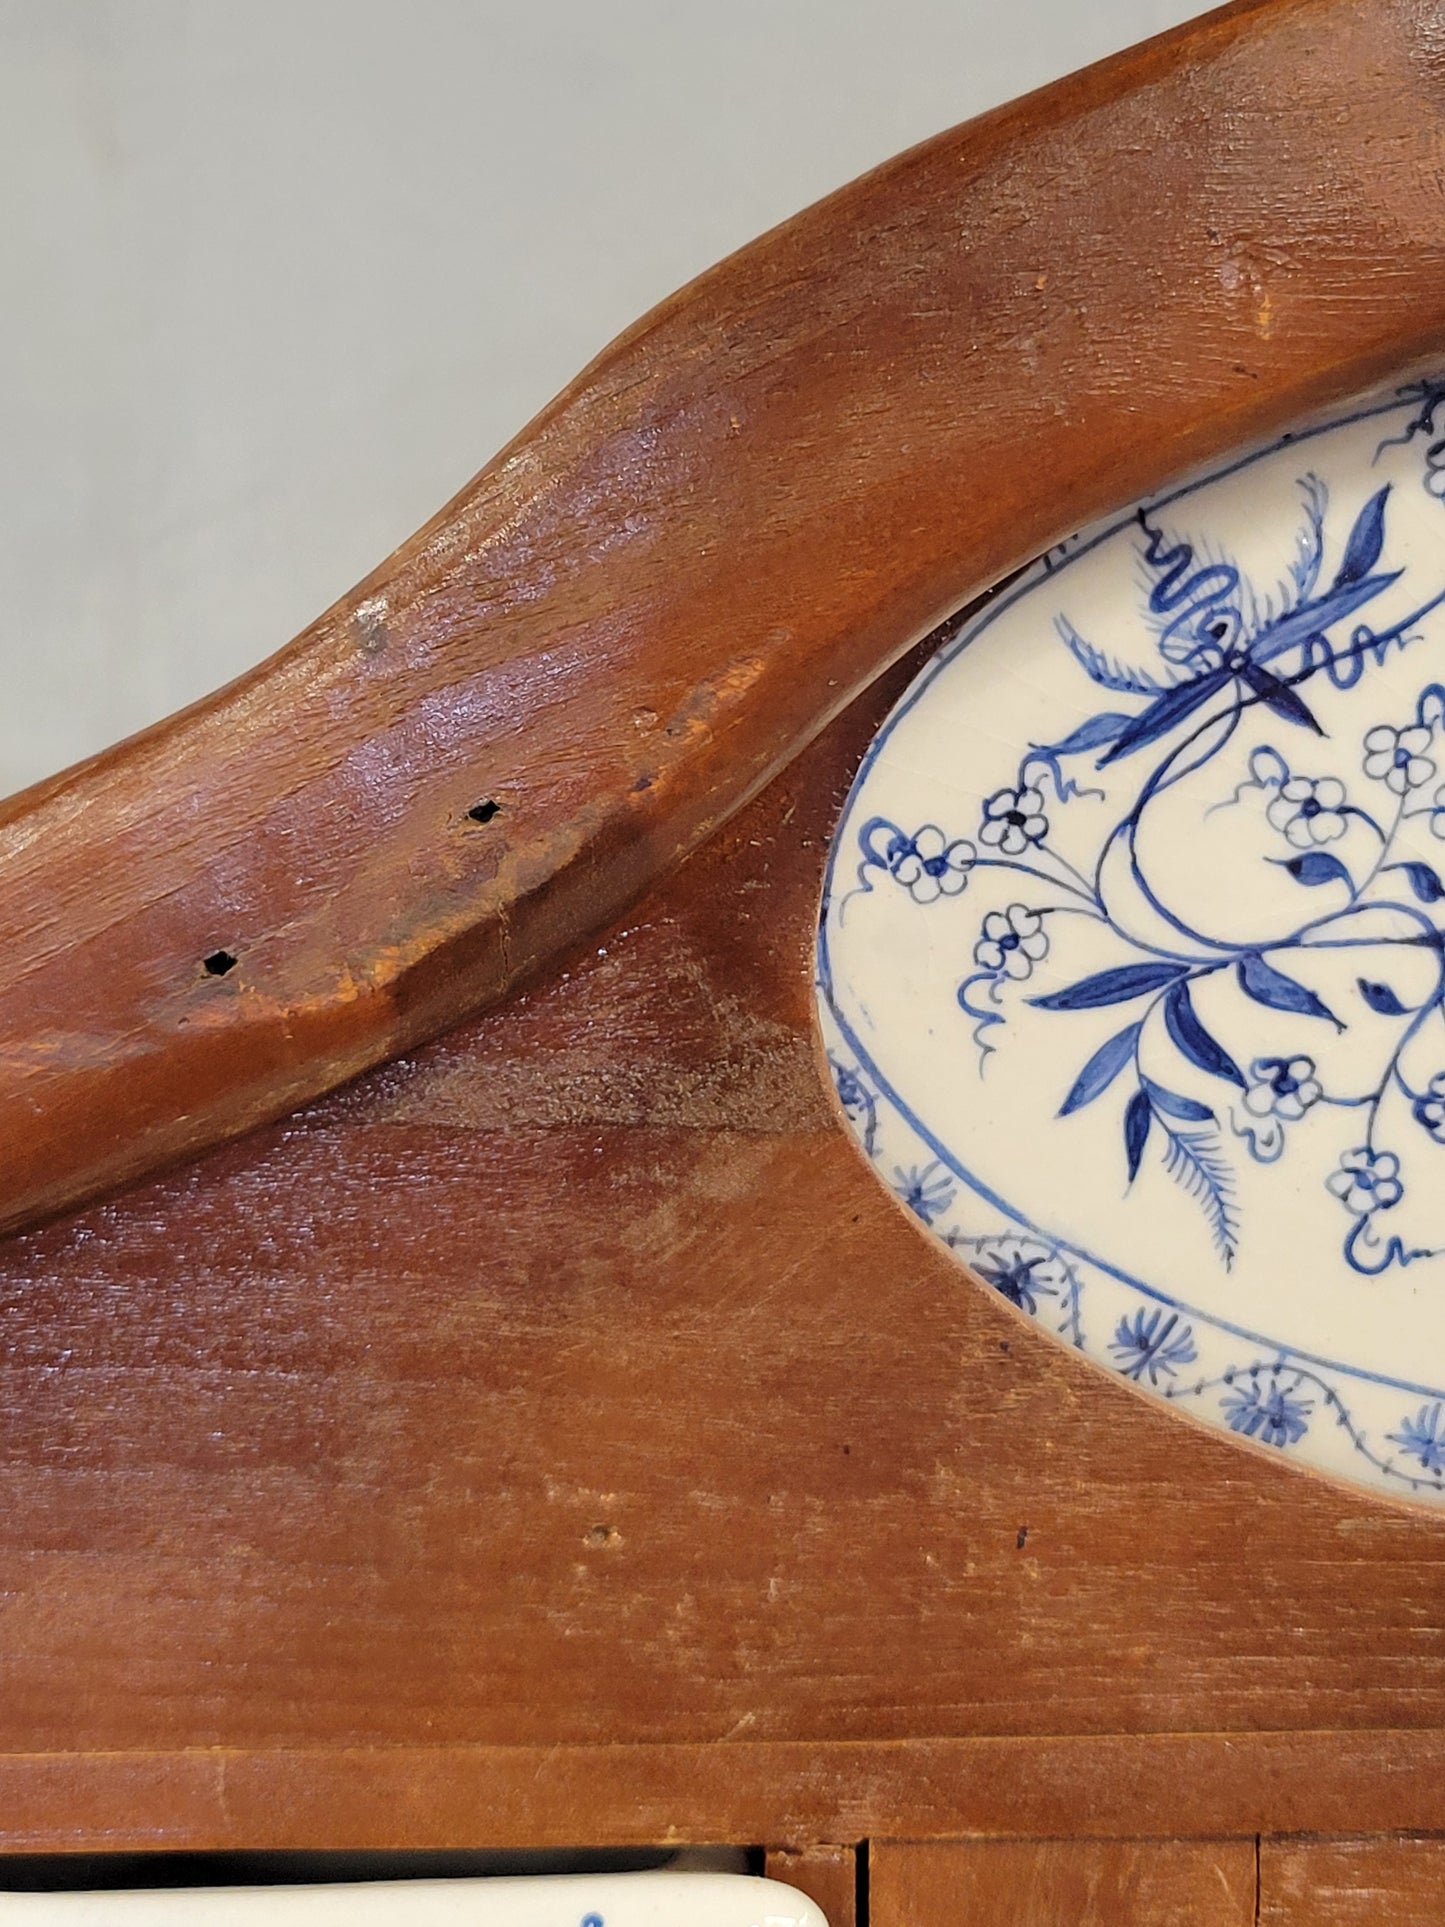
(1153, 1345)
(1271, 1409)
(1422, 1438)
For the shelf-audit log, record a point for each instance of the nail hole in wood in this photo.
(483, 812)
(218, 963)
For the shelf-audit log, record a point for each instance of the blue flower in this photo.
(929, 866)
(1423, 1437)
(1429, 1107)
(1279, 1091)
(926, 1192)
(1013, 941)
(1309, 810)
(1272, 1413)
(1367, 1181)
(1152, 1345)
(1282, 1087)
(1023, 1269)
(1396, 757)
(1014, 820)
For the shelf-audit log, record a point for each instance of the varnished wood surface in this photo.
(1063, 1883)
(1352, 1883)
(561, 1436)
(565, 1797)
(828, 1875)
(742, 510)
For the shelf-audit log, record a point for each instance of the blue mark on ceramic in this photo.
(1207, 930)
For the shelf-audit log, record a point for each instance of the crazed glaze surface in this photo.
(1132, 957)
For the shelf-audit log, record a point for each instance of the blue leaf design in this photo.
(1101, 1070)
(1270, 986)
(1194, 1040)
(1423, 881)
(1367, 538)
(1103, 669)
(1279, 697)
(1111, 986)
(1189, 1109)
(1311, 619)
(1137, 1119)
(1316, 868)
(1166, 712)
(1193, 1160)
(1093, 734)
(1380, 997)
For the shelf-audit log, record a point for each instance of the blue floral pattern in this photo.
(1274, 1401)
(1225, 650)
(1204, 1058)
(1270, 1406)
(1422, 1438)
(1153, 1344)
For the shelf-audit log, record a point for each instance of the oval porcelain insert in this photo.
(1132, 957)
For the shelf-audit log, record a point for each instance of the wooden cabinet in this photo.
(554, 1436)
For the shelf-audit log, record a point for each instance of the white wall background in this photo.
(276, 276)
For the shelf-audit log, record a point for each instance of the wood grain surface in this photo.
(737, 516)
(1063, 1883)
(828, 1875)
(1351, 1883)
(561, 1436)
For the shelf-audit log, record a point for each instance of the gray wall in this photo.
(278, 275)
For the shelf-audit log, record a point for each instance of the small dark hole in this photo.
(218, 963)
(484, 812)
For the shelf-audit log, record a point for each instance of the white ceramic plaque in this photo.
(572, 1900)
(1132, 954)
